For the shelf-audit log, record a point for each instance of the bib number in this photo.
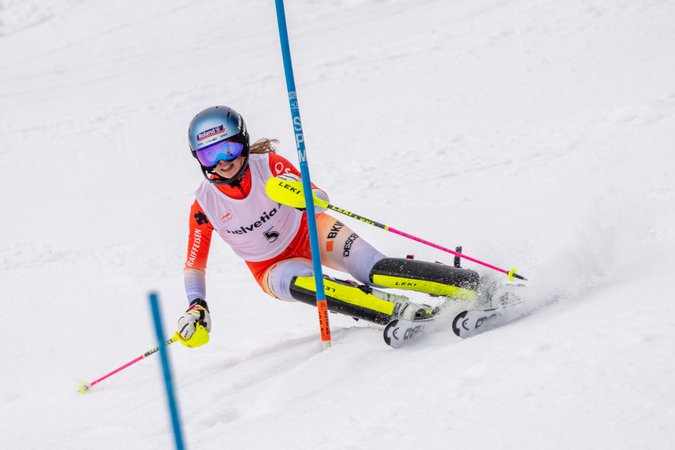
(270, 235)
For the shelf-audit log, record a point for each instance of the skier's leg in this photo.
(359, 300)
(344, 250)
(422, 276)
(293, 279)
(277, 279)
(439, 279)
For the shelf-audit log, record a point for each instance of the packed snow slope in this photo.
(538, 134)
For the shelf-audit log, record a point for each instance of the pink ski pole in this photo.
(85, 387)
(511, 273)
(290, 193)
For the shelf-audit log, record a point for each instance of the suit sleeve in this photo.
(199, 243)
(199, 240)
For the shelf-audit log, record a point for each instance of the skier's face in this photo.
(228, 169)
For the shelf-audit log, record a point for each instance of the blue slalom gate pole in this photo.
(166, 369)
(321, 304)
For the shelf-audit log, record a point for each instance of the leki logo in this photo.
(215, 131)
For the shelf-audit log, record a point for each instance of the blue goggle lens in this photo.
(220, 151)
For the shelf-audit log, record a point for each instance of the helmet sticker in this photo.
(211, 132)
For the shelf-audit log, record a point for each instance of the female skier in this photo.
(273, 238)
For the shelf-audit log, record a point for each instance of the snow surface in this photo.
(535, 133)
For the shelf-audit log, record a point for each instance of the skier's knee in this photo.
(278, 278)
(344, 250)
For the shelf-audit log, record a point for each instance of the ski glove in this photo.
(194, 326)
(317, 192)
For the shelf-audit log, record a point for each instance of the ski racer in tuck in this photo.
(273, 239)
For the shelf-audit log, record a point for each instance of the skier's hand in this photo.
(194, 326)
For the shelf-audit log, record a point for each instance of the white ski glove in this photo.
(197, 314)
(318, 193)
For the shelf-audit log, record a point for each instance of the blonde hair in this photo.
(264, 145)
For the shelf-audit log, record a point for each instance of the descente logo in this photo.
(220, 129)
(258, 223)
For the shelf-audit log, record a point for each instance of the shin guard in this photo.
(430, 278)
(358, 301)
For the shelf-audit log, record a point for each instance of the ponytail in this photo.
(264, 145)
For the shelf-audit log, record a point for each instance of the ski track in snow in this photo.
(534, 133)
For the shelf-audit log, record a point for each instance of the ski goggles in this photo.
(210, 155)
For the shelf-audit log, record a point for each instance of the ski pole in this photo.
(290, 193)
(85, 387)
